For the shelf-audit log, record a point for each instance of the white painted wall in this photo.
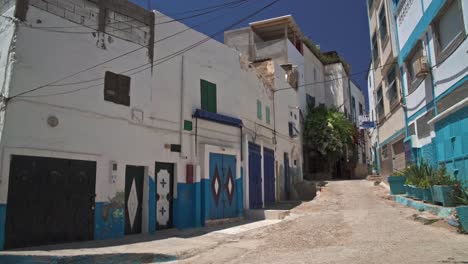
(316, 87)
(93, 129)
(407, 19)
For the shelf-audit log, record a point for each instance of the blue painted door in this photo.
(269, 175)
(452, 144)
(255, 177)
(222, 200)
(287, 181)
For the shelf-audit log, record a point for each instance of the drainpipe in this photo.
(182, 90)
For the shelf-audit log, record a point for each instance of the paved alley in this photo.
(350, 222)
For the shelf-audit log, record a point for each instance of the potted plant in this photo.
(461, 199)
(442, 188)
(415, 173)
(425, 185)
(397, 183)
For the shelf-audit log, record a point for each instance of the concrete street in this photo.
(349, 222)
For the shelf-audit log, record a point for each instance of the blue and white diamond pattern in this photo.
(132, 203)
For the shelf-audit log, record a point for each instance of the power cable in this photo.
(280, 89)
(53, 84)
(218, 7)
(161, 60)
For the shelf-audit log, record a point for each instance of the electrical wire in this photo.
(211, 10)
(280, 89)
(53, 84)
(161, 60)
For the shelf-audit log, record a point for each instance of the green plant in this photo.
(329, 132)
(461, 196)
(425, 183)
(441, 177)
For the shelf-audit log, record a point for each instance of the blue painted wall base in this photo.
(2, 225)
(109, 221)
(440, 211)
(151, 206)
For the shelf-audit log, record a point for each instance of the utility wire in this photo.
(211, 10)
(161, 60)
(280, 89)
(54, 83)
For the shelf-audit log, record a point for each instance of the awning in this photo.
(217, 118)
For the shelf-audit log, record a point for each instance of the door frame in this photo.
(142, 198)
(171, 205)
(206, 150)
(7, 160)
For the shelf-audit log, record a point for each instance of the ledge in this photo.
(449, 111)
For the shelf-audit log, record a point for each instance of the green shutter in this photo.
(188, 125)
(267, 114)
(208, 96)
(259, 109)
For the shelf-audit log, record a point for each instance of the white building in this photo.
(316, 80)
(434, 65)
(162, 136)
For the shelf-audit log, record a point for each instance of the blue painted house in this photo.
(433, 61)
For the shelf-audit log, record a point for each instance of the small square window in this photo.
(117, 88)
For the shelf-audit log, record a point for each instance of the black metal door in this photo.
(164, 194)
(50, 201)
(134, 176)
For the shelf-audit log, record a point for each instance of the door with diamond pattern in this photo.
(222, 198)
(164, 194)
(134, 176)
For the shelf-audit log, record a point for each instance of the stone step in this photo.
(262, 214)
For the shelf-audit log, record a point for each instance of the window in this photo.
(259, 109)
(361, 109)
(412, 129)
(383, 26)
(379, 103)
(392, 90)
(449, 30)
(375, 50)
(310, 101)
(117, 88)
(385, 152)
(267, 114)
(412, 79)
(208, 96)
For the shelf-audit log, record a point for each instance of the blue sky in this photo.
(339, 25)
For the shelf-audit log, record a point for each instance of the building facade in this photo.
(142, 134)
(387, 107)
(318, 78)
(434, 65)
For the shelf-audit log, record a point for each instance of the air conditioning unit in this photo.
(421, 67)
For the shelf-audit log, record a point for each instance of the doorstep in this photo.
(440, 211)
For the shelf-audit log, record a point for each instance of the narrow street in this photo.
(350, 222)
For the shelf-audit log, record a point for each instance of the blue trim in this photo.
(432, 71)
(393, 137)
(217, 118)
(452, 88)
(109, 221)
(432, 103)
(3, 208)
(152, 206)
(184, 206)
(429, 14)
(421, 111)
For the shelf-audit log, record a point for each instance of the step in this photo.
(262, 214)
